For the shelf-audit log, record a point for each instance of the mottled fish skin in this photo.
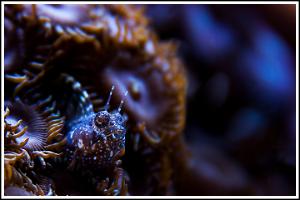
(92, 144)
(93, 139)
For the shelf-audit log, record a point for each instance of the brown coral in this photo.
(17, 161)
(101, 46)
(32, 136)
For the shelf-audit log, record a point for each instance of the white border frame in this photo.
(151, 2)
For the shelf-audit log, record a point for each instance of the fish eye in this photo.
(102, 119)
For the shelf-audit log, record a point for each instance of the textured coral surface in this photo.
(149, 100)
(94, 89)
